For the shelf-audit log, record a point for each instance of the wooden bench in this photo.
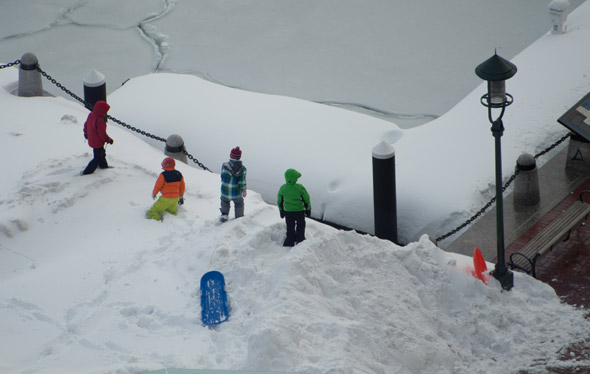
(558, 230)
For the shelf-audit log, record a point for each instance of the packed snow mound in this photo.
(87, 284)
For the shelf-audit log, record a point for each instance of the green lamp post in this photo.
(496, 70)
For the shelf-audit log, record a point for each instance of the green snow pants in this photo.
(161, 205)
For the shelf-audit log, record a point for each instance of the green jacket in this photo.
(293, 197)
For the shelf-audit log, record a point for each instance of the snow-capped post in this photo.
(29, 78)
(558, 13)
(95, 88)
(175, 148)
(384, 195)
(526, 184)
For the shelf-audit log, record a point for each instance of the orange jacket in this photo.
(170, 183)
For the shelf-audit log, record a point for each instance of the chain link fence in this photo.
(132, 128)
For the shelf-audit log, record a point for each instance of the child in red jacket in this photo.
(95, 130)
(171, 184)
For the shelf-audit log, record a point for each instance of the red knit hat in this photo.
(168, 163)
(235, 153)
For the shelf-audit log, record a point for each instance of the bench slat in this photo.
(559, 227)
(553, 233)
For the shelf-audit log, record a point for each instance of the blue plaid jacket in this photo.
(233, 180)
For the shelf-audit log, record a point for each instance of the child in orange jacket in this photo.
(170, 184)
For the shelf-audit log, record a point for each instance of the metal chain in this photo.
(139, 131)
(190, 157)
(553, 145)
(493, 199)
(10, 64)
(59, 85)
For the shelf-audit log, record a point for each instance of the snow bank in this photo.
(88, 285)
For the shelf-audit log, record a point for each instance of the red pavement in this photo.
(567, 269)
(567, 266)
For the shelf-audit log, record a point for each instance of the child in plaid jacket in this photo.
(233, 185)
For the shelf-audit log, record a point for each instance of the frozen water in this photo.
(405, 61)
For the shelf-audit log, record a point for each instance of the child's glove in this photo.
(181, 200)
(110, 141)
(282, 213)
(154, 197)
(308, 213)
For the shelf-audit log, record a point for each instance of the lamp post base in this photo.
(506, 278)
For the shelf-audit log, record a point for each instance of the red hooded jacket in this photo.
(95, 128)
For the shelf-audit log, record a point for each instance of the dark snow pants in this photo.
(99, 160)
(295, 228)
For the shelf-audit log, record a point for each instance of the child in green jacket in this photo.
(294, 204)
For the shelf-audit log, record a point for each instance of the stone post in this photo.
(526, 184)
(29, 78)
(175, 148)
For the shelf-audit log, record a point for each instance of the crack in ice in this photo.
(377, 111)
(158, 40)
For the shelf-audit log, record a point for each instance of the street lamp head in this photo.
(496, 70)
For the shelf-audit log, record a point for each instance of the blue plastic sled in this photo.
(213, 298)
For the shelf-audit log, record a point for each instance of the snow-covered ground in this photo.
(88, 285)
